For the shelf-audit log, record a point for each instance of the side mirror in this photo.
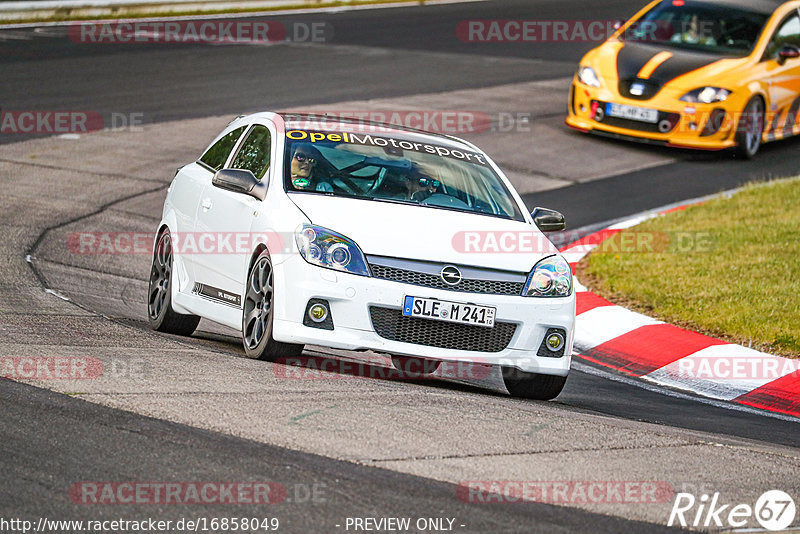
(240, 181)
(788, 51)
(548, 220)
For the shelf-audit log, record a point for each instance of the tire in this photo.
(411, 367)
(160, 313)
(532, 385)
(750, 128)
(258, 314)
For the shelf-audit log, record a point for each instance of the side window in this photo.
(216, 156)
(255, 152)
(788, 33)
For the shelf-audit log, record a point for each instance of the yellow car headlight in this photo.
(588, 76)
(706, 95)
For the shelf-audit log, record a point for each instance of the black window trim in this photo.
(765, 55)
(241, 142)
(248, 128)
(206, 166)
(211, 169)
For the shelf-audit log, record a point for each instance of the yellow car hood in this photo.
(660, 66)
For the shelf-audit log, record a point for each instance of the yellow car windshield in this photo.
(699, 26)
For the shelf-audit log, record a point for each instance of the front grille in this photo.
(672, 118)
(392, 324)
(631, 124)
(467, 285)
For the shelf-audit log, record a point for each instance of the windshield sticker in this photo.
(300, 183)
(387, 143)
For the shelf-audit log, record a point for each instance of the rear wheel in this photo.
(159, 296)
(750, 128)
(411, 367)
(532, 385)
(258, 315)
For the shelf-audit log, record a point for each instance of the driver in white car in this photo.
(305, 161)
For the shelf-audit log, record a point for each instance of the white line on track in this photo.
(15, 36)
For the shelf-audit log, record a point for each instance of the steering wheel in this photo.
(378, 181)
(343, 182)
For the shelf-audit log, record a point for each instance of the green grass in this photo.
(66, 14)
(729, 267)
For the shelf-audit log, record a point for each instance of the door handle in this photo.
(206, 204)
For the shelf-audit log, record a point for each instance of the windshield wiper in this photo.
(395, 201)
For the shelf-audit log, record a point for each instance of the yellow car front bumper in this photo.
(678, 123)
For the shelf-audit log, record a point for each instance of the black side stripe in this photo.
(217, 295)
(791, 118)
(773, 128)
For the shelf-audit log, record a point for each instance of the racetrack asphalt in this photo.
(99, 170)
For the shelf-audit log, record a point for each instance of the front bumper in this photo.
(691, 125)
(351, 297)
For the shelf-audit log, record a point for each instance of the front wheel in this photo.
(258, 315)
(750, 128)
(532, 385)
(159, 295)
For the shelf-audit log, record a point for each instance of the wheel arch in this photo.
(261, 247)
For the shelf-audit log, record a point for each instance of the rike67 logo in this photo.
(774, 510)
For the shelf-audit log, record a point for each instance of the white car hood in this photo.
(429, 234)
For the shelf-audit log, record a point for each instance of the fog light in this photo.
(555, 342)
(317, 313)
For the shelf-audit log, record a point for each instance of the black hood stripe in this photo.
(633, 56)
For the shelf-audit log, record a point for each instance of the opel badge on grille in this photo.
(450, 275)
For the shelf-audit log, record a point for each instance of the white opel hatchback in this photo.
(298, 229)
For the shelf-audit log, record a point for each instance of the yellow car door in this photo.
(780, 68)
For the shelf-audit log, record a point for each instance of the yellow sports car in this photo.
(709, 74)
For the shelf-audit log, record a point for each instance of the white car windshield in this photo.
(386, 167)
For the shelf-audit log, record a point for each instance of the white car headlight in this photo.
(706, 95)
(588, 77)
(552, 277)
(326, 248)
